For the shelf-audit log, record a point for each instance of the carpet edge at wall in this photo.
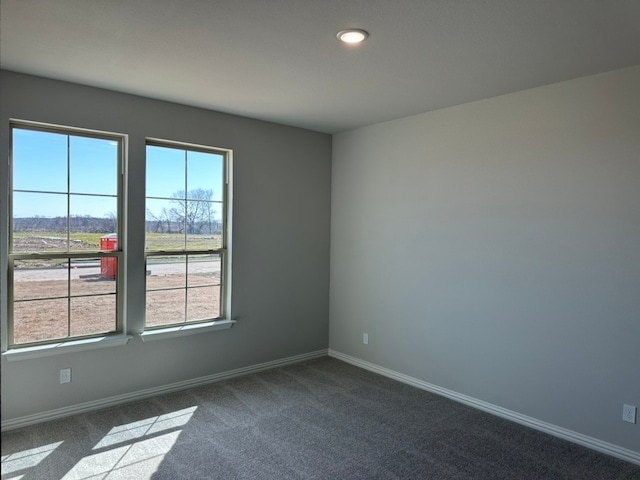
(116, 400)
(555, 430)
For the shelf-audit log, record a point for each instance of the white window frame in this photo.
(70, 342)
(224, 320)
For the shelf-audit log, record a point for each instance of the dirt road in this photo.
(93, 269)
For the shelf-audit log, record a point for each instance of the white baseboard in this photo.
(152, 392)
(560, 432)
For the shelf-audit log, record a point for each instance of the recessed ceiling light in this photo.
(352, 35)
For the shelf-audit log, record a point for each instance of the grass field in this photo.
(26, 242)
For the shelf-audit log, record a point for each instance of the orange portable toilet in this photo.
(109, 265)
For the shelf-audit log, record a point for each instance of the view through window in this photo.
(65, 222)
(186, 202)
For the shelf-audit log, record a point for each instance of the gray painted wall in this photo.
(493, 249)
(280, 234)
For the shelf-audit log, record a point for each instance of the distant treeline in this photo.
(84, 224)
(87, 224)
(212, 227)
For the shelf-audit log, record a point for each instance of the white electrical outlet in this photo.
(65, 375)
(365, 338)
(629, 413)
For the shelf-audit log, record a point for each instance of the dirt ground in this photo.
(92, 305)
(48, 244)
(45, 319)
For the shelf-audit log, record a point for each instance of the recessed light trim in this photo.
(352, 35)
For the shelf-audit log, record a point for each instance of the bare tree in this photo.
(153, 223)
(111, 222)
(193, 212)
(163, 222)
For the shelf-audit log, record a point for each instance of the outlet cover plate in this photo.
(65, 375)
(629, 413)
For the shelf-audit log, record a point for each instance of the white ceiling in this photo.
(279, 60)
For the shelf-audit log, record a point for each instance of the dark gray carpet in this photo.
(321, 419)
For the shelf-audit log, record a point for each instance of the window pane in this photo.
(203, 270)
(47, 218)
(165, 172)
(93, 276)
(40, 279)
(204, 225)
(93, 165)
(165, 307)
(166, 272)
(39, 222)
(165, 225)
(46, 207)
(203, 303)
(39, 320)
(205, 175)
(92, 315)
(91, 218)
(207, 232)
(39, 161)
(184, 218)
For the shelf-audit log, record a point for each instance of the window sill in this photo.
(170, 332)
(41, 351)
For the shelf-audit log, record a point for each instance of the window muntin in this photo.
(65, 194)
(186, 241)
